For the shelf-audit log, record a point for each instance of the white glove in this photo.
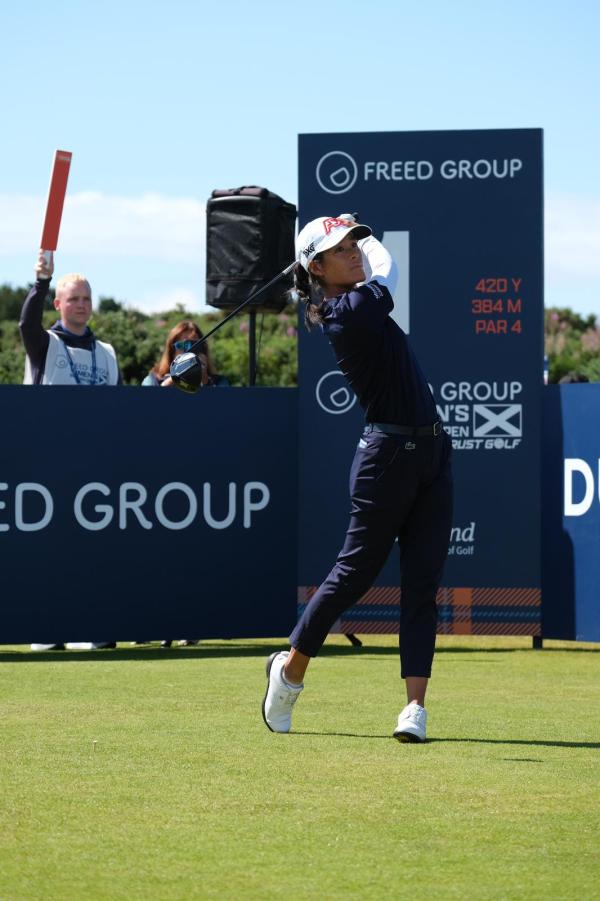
(44, 266)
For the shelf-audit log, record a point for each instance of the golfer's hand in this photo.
(44, 267)
(166, 383)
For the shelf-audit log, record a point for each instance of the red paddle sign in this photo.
(56, 199)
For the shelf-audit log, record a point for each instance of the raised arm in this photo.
(379, 266)
(35, 337)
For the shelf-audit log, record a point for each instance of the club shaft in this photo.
(198, 344)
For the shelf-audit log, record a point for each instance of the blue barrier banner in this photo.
(133, 514)
(571, 512)
(462, 214)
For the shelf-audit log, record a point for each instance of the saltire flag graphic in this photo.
(497, 420)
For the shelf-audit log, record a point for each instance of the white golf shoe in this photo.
(280, 697)
(47, 647)
(412, 723)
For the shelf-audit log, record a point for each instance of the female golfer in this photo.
(400, 481)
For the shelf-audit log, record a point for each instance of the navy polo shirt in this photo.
(374, 355)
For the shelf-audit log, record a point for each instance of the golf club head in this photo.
(187, 371)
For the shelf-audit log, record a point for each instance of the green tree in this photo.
(109, 305)
(139, 340)
(12, 354)
(572, 344)
(12, 299)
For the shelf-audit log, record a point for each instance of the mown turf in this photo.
(149, 774)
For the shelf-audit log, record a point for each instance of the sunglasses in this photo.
(184, 345)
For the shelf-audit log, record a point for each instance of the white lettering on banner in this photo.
(135, 504)
(216, 523)
(4, 526)
(20, 523)
(160, 513)
(398, 170)
(462, 541)
(466, 534)
(105, 509)
(480, 168)
(337, 172)
(574, 465)
(134, 508)
(250, 505)
(480, 391)
(476, 424)
(459, 412)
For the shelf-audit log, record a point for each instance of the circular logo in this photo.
(61, 363)
(333, 394)
(336, 172)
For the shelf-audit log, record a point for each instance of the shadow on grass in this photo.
(201, 652)
(485, 741)
(206, 651)
(523, 759)
(520, 741)
(255, 648)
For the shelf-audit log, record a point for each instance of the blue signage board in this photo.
(134, 514)
(462, 214)
(571, 512)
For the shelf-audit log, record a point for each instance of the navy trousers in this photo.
(400, 488)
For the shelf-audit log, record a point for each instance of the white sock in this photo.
(287, 681)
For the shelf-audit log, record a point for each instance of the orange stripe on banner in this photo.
(458, 621)
(444, 596)
(462, 597)
(507, 629)
(382, 595)
(507, 597)
(377, 595)
(365, 628)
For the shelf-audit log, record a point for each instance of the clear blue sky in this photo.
(160, 102)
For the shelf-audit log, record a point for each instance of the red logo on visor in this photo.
(329, 224)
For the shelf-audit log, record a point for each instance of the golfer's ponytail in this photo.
(307, 288)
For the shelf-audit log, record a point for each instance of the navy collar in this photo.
(59, 327)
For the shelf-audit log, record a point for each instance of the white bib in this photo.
(58, 370)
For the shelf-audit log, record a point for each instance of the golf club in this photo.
(186, 369)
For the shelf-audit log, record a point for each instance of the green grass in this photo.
(186, 794)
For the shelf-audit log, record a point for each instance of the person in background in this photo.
(68, 353)
(179, 340)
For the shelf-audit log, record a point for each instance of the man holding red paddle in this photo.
(68, 353)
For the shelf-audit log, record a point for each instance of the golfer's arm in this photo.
(35, 337)
(380, 265)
